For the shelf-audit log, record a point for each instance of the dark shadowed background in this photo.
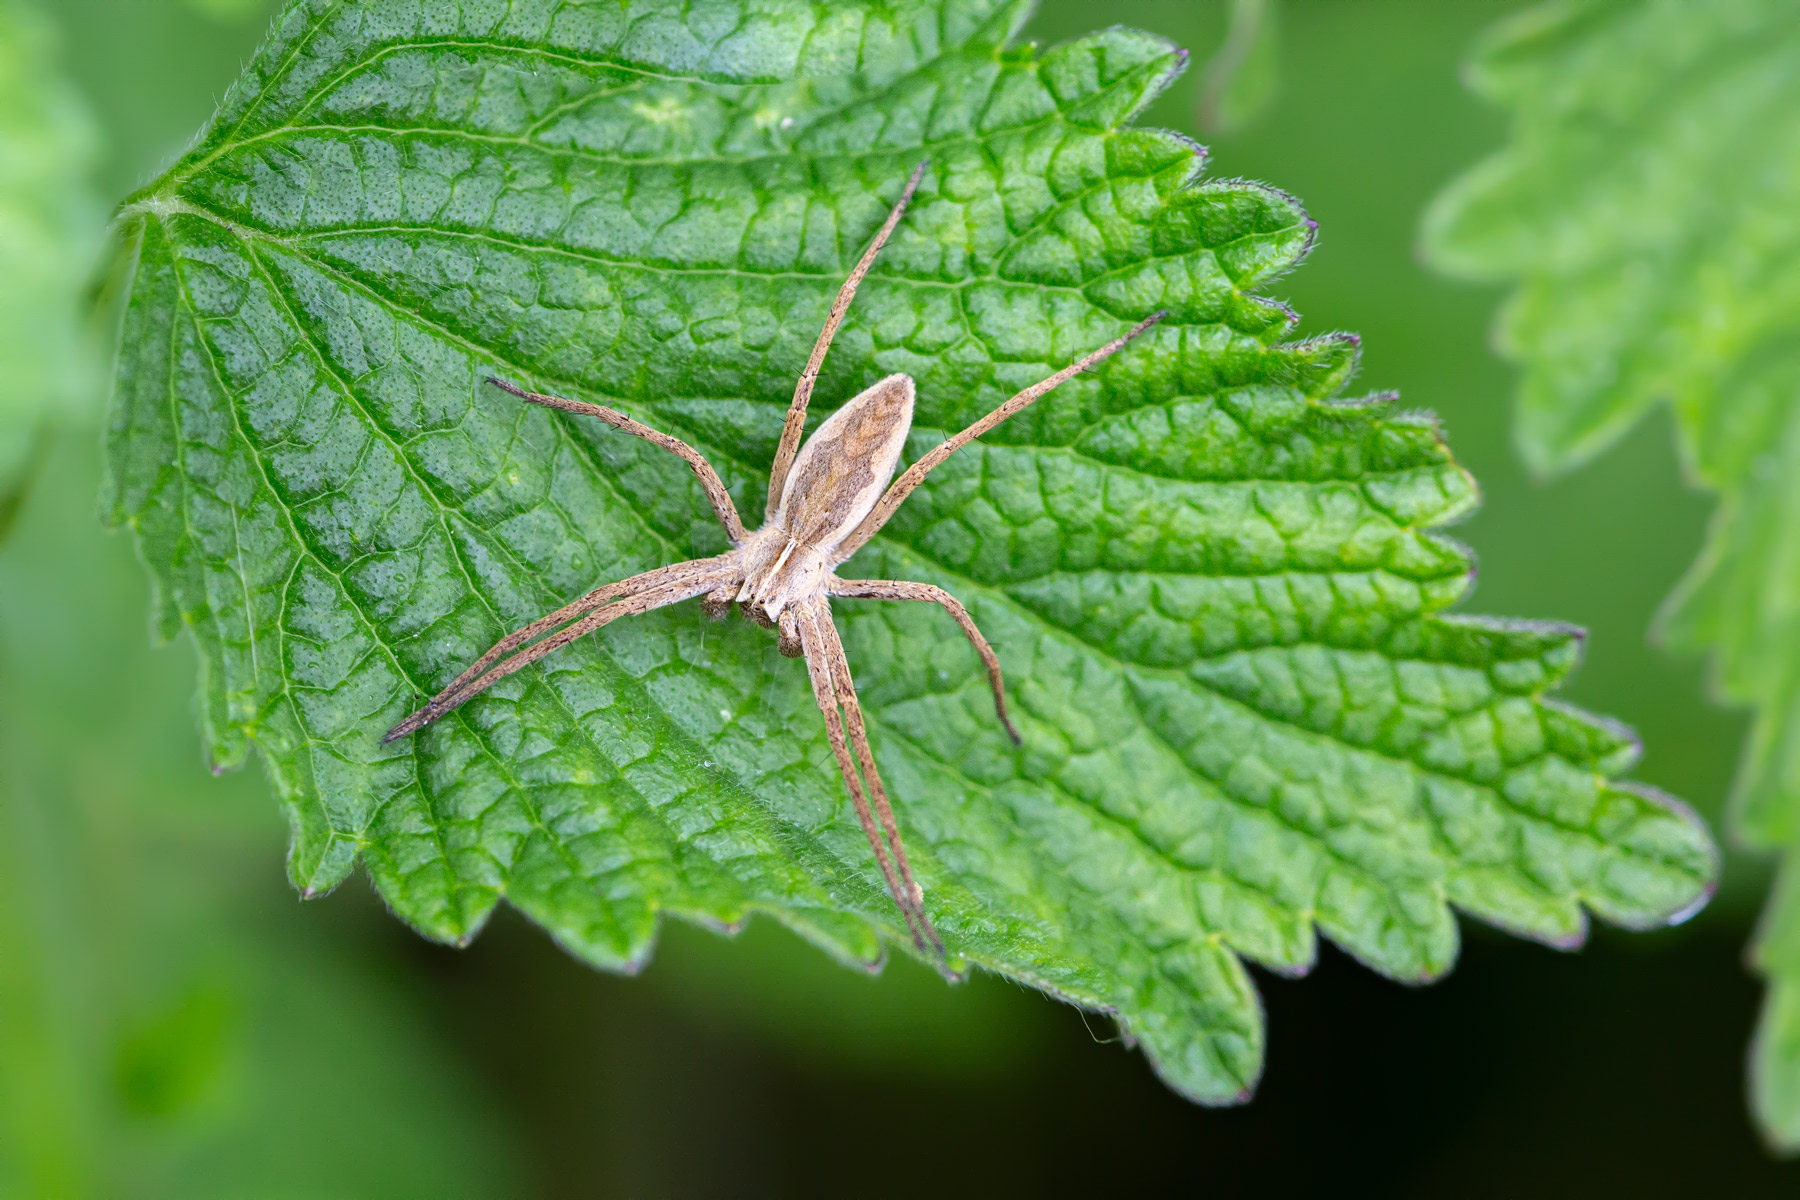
(173, 1022)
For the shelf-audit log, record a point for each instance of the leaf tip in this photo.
(1708, 890)
(1307, 243)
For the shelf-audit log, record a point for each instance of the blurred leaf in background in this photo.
(1649, 207)
(49, 232)
(234, 11)
(1239, 81)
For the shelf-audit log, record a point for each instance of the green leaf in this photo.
(1648, 207)
(49, 227)
(1213, 582)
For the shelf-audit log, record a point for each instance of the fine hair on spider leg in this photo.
(826, 499)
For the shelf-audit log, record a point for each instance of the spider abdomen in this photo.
(845, 465)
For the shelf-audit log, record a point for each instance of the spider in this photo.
(826, 499)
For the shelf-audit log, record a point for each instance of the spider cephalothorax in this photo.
(826, 499)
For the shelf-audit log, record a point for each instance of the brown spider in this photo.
(825, 501)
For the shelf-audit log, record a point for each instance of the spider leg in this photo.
(908, 894)
(795, 424)
(859, 742)
(703, 470)
(639, 594)
(894, 589)
(603, 594)
(915, 474)
(814, 620)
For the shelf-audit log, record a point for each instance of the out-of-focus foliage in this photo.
(229, 10)
(48, 234)
(1213, 579)
(1649, 208)
(1241, 77)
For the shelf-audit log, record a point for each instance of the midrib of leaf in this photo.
(299, 539)
(747, 474)
(462, 922)
(169, 200)
(1058, 921)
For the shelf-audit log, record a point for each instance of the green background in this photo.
(174, 1023)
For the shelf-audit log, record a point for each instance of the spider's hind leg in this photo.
(795, 424)
(834, 690)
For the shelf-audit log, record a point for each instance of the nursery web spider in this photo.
(826, 499)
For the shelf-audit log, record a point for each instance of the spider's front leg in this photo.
(710, 483)
(895, 589)
(605, 604)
